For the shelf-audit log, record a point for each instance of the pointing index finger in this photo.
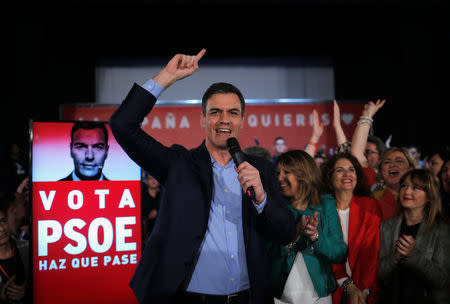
(199, 55)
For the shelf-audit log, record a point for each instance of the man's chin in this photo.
(220, 144)
(88, 175)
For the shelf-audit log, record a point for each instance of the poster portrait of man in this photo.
(78, 151)
(89, 150)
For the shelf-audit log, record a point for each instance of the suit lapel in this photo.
(201, 166)
(397, 225)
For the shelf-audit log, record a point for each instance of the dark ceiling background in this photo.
(380, 49)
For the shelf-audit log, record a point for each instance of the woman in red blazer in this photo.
(360, 218)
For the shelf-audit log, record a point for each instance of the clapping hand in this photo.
(317, 127)
(11, 291)
(310, 226)
(336, 115)
(356, 295)
(405, 246)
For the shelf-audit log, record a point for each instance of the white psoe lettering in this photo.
(51, 231)
(47, 201)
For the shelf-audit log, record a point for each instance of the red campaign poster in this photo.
(180, 123)
(85, 217)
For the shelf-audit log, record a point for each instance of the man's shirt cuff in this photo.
(154, 88)
(260, 208)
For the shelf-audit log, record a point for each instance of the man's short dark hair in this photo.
(89, 125)
(222, 88)
(258, 151)
(381, 147)
(414, 146)
(278, 138)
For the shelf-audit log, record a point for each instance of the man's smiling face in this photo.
(223, 119)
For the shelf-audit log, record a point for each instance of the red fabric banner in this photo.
(180, 124)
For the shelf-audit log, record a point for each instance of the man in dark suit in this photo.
(208, 243)
(88, 149)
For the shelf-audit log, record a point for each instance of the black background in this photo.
(380, 49)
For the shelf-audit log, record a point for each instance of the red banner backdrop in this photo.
(263, 122)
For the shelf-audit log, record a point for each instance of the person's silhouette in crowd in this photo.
(279, 147)
(17, 212)
(14, 261)
(258, 151)
(374, 148)
(415, 152)
(151, 193)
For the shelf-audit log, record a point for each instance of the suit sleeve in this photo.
(339, 271)
(386, 261)
(143, 149)
(370, 253)
(436, 266)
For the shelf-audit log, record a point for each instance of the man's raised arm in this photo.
(126, 121)
(179, 67)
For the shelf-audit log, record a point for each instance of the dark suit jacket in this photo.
(171, 252)
(69, 178)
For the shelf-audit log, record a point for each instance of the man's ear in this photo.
(71, 146)
(202, 120)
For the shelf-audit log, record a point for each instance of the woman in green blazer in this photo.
(301, 272)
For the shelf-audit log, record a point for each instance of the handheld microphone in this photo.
(238, 157)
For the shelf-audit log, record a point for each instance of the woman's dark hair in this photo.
(361, 188)
(445, 196)
(429, 183)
